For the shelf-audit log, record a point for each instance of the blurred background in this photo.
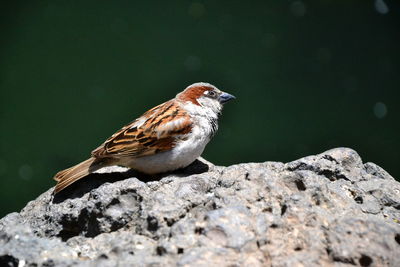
(308, 76)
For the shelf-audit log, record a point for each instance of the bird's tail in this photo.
(71, 175)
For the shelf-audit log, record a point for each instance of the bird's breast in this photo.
(185, 151)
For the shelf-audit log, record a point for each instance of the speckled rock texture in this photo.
(325, 210)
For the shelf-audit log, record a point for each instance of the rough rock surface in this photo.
(323, 210)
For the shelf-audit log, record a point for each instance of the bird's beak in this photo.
(225, 97)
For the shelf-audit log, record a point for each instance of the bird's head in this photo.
(205, 95)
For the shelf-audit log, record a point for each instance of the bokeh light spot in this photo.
(381, 7)
(196, 10)
(192, 63)
(380, 110)
(25, 172)
(298, 8)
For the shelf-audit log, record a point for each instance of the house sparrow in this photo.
(169, 136)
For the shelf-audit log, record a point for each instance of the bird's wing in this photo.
(155, 131)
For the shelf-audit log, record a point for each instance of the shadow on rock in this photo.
(95, 180)
(196, 167)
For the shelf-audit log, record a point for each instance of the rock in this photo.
(323, 210)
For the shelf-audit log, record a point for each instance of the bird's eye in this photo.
(212, 93)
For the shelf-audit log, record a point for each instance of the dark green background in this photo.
(308, 76)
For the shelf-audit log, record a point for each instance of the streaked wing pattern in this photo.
(155, 131)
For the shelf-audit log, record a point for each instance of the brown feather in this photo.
(68, 176)
(192, 93)
(161, 127)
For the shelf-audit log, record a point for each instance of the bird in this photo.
(167, 137)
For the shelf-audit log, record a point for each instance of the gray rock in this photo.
(323, 210)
